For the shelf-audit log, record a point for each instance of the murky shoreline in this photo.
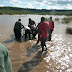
(26, 56)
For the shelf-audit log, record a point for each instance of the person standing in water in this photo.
(51, 26)
(17, 29)
(43, 32)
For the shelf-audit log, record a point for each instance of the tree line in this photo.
(17, 10)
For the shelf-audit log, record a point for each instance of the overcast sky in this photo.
(38, 4)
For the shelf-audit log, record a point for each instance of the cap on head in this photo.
(42, 19)
(19, 19)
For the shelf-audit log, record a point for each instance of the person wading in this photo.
(43, 32)
(17, 29)
(51, 26)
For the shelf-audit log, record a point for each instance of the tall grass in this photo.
(66, 19)
(56, 19)
(47, 19)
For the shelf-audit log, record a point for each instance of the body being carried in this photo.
(32, 25)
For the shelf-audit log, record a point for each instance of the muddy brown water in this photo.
(26, 56)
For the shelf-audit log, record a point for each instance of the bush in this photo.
(69, 30)
(56, 19)
(66, 19)
(47, 19)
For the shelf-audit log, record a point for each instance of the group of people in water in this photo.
(43, 29)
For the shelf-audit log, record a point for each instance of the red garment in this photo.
(43, 30)
(51, 24)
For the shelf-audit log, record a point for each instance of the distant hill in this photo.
(16, 10)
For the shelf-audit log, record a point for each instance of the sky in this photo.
(38, 4)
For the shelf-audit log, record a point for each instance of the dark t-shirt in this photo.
(18, 26)
(31, 22)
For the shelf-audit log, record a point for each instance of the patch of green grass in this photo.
(56, 19)
(66, 19)
(69, 30)
(47, 19)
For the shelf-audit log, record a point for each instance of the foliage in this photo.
(47, 19)
(56, 19)
(16, 10)
(66, 19)
(69, 30)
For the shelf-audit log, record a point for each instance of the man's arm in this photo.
(22, 26)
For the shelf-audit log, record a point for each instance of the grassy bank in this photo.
(15, 10)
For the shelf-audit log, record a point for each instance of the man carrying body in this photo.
(17, 29)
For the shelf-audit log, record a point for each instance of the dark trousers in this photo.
(43, 43)
(50, 34)
(17, 33)
(33, 30)
(27, 32)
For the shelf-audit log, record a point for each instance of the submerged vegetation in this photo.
(66, 19)
(69, 30)
(56, 19)
(16, 10)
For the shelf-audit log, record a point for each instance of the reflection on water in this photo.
(10, 40)
(61, 56)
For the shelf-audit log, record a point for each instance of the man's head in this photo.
(29, 18)
(19, 19)
(50, 18)
(42, 19)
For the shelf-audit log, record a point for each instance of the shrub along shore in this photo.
(16, 10)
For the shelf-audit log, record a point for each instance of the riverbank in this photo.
(16, 10)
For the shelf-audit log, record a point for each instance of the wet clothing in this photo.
(17, 29)
(5, 63)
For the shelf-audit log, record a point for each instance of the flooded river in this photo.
(26, 56)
